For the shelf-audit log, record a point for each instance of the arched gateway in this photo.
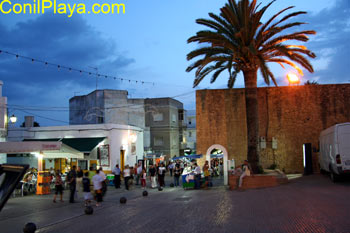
(225, 156)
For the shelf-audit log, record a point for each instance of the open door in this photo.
(307, 159)
(122, 159)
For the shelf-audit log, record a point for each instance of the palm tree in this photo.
(237, 41)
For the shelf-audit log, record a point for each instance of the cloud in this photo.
(57, 39)
(331, 44)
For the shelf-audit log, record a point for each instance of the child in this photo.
(58, 187)
(86, 189)
(143, 178)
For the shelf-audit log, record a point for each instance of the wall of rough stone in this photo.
(293, 115)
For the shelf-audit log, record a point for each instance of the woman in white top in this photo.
(126, 174)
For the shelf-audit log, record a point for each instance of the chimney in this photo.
(28, 121)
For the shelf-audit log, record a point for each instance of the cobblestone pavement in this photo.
(308, 204)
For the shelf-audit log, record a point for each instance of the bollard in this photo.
(89, 210)
(123, 200)
(29, 228)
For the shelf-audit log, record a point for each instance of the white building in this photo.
(100, 145)
(190, 133)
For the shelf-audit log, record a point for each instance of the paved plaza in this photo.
(307, 204)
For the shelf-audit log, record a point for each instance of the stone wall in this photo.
(292, 115)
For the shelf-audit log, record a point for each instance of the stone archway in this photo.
(223, 149)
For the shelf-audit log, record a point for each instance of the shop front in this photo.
(102, 145)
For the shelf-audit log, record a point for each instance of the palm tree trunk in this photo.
(251, 99)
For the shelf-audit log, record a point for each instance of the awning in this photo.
(85, 145)
(46, 148)
(216, 156)
(194, 156)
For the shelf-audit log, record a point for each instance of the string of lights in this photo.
(66, 109)
(72, 69)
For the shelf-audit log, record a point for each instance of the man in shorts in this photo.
(86, 189)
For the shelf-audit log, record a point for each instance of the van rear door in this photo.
(344, 145)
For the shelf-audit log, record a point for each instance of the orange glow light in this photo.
(293, 78)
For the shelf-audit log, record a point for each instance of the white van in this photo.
(335, 150)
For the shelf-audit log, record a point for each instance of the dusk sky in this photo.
(147, 43)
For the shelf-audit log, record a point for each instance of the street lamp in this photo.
(13, 119)
(293, 78)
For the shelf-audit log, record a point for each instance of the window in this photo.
(189, 122)
(181, 139)
(100, 120)
(173, 118)
(181, 114)
(190, 134)
(157, 116)
(158, 141)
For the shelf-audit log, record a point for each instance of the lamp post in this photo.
(293, 79)
(13, 119)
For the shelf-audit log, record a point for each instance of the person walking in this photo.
(177, 173)
(116, 172)
(97, 181)
(138, 174)
(161, 175)
(104, 183)
(197, 173)
(152, 172)
(143, 178)
(80, 175)
(126, 174)
(206, 174)
(171, 168)
(86, 189)
(58, 187)
(72, 180)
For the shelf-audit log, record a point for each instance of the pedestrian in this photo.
(72, 181)
(206, 174)
(126, 176)
(116, 172)
(143, 178)
(197, 173)
(91, 174)
(134, 172)
(171, 167)
(152, 172)
(80, 175)
(104, 183)
(58, 187)
(86, 189)
(97, 182)
(161, 175)
(221, 169)
(182, 166)
(177, 173)
(246, 171)
(138, 174)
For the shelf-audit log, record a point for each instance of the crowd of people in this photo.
(92, 185)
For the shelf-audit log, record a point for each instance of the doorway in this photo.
(218, 153)
(122, 159)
